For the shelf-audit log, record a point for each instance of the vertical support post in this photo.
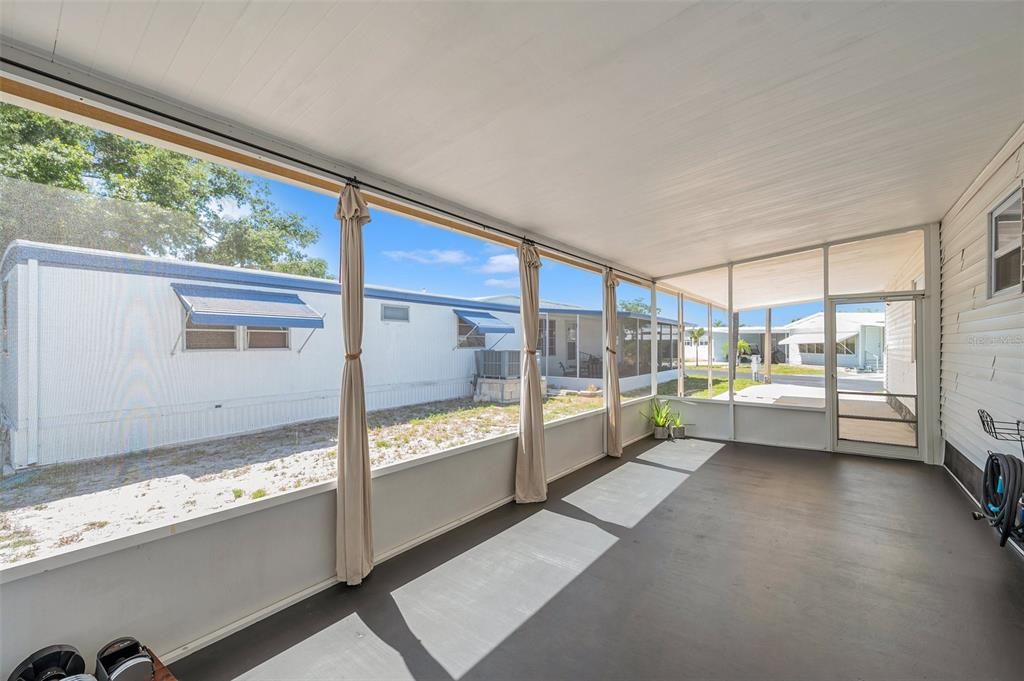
(733, 332)
(604, 372)
(767, 352)
(579, 335)
(710, 351)
(32, 362)
(928, 355)
(831, 382)
(680, 348)
(654, 340)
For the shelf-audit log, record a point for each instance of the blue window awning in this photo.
(484, 321)
(216, 305)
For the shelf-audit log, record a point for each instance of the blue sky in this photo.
(404, 253)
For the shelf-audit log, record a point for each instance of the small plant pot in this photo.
(661, 432)
(678, 432)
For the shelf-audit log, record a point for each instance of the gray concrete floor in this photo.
(684, 560)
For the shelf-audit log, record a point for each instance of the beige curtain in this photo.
(531, 479)
(611, 383)
(355, 532)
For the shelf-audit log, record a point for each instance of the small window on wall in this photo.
(210, 337)
(470, 336)
(1005, 239)
(266, 338)
(394, 313)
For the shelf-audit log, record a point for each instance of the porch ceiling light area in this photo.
(484, 321)
(216, 305)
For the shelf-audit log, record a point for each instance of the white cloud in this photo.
(432, 256)
(506, 262)
(502, 283)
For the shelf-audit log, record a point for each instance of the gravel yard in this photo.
(57, 508)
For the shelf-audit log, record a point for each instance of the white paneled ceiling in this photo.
(665, 136)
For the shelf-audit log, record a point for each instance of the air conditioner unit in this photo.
(497, 363)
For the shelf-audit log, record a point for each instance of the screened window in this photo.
(210, 337)
(570, 340)
(470, 336)
(847, 347)
(1005, 239)
(547, 336)
(266, 338)
(394, 313)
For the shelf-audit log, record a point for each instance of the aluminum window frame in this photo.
(391, 306)
(462, 341)
(994, 254)
(246, 330)
(184, 337)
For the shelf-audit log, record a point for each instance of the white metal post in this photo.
(654, 340)
(32, 361)
(831, 378)
(579, 335)
(681, 349)
(711, 346)
(928, 355)
(604, 366)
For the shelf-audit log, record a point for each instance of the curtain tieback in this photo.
(611, 351)
(530, 352)
(353, 355)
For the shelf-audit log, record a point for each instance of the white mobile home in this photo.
(860, 340)
(166, 352)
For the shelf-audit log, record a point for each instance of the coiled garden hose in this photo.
(1001, 492)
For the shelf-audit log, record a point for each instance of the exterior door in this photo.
(875, 375)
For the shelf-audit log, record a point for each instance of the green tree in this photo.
(742, 347)
(636, 306)
(70, 184)
(696, 334)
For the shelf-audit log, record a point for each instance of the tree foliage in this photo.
(67, 183)
(636, 306)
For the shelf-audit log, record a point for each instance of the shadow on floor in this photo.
(757, 562)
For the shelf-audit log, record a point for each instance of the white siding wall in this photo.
(900, 357)
(113, 378)
(982, 351)
(419, 361)
(9, 370)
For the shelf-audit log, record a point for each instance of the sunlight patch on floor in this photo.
(346, 650)
(684, 455)
(627, 494)
(465, 608)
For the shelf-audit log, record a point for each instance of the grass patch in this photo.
(69, 539)
(258, 494)
(237, 493)
(785, 370)
(96, 524)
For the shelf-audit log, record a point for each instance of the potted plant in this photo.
(661, 418)
(678, 430)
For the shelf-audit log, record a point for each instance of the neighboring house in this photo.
(106, 353)
(860, 340)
